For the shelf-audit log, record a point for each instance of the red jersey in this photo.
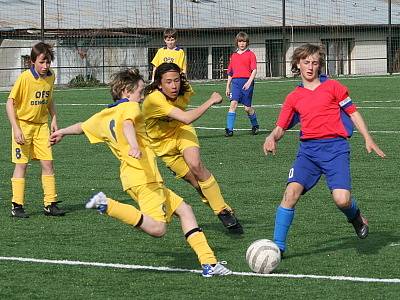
(241, 65)
(323, 112)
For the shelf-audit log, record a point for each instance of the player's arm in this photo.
(18, 134)
(53, 115)
(272, 139)
(362, 128)
(58, 135)
(192, 115)
(250, 80)
(153, 74)
(228, 86)
(130, 135)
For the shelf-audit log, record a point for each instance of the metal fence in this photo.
(93, 39)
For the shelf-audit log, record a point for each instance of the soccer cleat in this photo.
(360, 224)
(230, 221)
(18, 211)
(228, 132)
(255, 130)
(218, 269)
(53, 210)
(98, 201)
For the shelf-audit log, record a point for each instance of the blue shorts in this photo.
(330, 157)
(240, 95)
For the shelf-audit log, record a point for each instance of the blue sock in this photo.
(351, 211)
(253, 119)
(283, 220)
(230, 120)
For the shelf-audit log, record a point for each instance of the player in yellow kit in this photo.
(174, 139)
(170, 53)
(121, 127)
(28, 106)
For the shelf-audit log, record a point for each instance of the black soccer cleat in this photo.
(17, 211)
(228, 132)
(255, 130)
(53, 210)
(230, 221)
(360, 224)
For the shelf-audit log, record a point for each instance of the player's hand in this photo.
(371, 146)
(228, 93)
(56, 137)
(269, 146)
(216, 98)
(246, 86)
(53, 126)
(135, 152)
(19, 136)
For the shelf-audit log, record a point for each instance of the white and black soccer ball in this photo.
(263, 256)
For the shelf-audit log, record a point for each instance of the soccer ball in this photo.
(263, 256)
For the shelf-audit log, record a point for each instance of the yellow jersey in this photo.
(165, 55)
(32, 96)
(156, 108)
(107, 126)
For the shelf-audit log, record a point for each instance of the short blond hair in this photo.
(242, 36)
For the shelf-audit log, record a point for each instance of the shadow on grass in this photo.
(369, 246)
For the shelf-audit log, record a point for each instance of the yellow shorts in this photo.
(36, 145)
(155, 200)
(171, 149)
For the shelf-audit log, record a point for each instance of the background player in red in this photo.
(327, 115)
(242, 70)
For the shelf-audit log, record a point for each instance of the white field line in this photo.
(167, 269)
(290, 130)
(227, 106)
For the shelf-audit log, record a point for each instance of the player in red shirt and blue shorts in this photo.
(242, 70)
(326, 115)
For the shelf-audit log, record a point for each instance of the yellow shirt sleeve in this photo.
(91, 128)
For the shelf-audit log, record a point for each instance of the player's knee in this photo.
(249, 110)
(184, 210)
(159, 229)
(343, 202)
(197, 168)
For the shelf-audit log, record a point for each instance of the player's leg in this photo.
(302, 177)
(338, 178)
(285, 214)
(210, 189)
(20, 155)
(42, 151)
(230, 118)
(129, 214)
(18, 191)
(250, 111)
(194, 236)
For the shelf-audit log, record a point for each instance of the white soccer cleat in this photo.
(219, 269)
(98, 201)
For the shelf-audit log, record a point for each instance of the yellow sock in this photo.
(49, 189)
(127, 214)
(18, 190)
(211, 191)
(199, 244)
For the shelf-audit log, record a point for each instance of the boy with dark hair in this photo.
(173, 138)
(28, 106)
